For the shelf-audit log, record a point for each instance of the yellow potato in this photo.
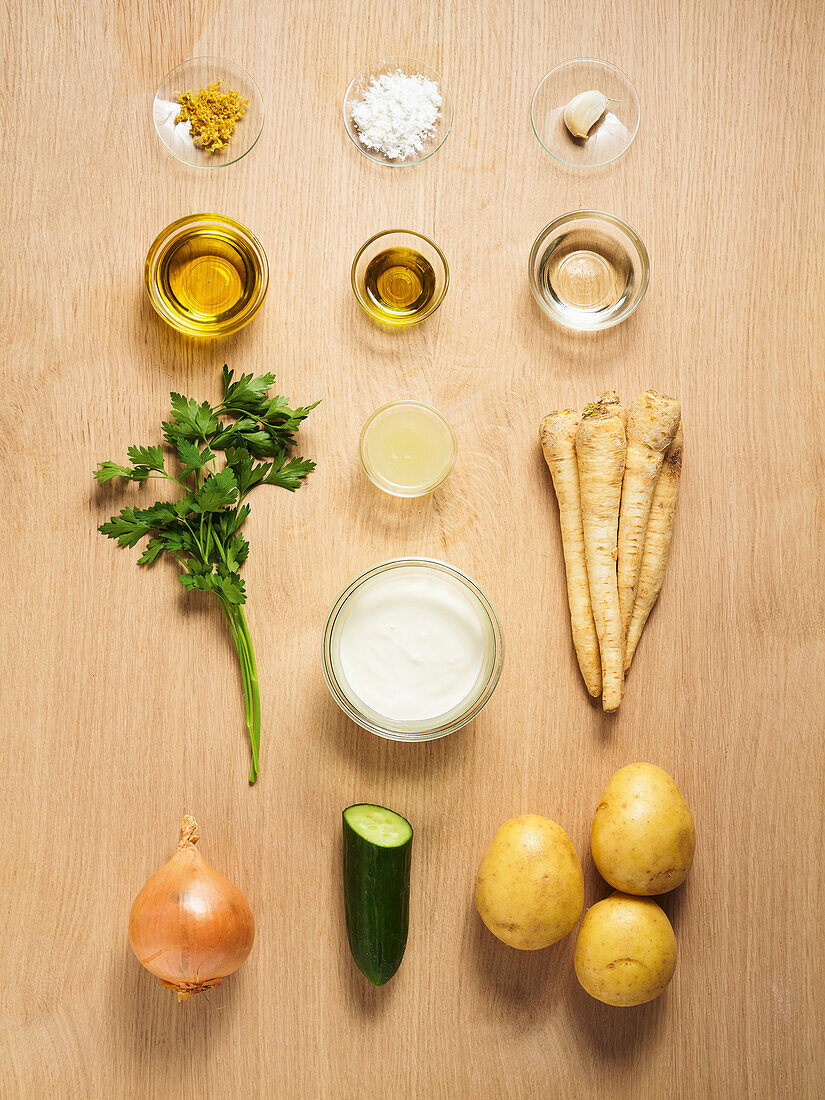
(529, 887)
(643, 836)
(625, 951)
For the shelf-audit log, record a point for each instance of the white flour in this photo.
(397, 114)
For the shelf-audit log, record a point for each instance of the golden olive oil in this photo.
(206, 275)
(400, 284)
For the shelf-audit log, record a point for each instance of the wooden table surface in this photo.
(120, 695)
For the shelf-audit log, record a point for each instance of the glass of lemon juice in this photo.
(407, 448)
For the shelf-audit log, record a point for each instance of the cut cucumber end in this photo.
(378, 825)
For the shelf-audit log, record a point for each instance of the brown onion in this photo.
(189, 926)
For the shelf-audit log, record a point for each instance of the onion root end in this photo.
(184, 991)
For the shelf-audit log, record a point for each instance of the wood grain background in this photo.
(121, 701)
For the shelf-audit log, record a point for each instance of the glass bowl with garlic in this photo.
(585, 113)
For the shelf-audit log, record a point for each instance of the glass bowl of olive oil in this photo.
(407, 448)
(588, 270)
(206, 275)
(400, 277)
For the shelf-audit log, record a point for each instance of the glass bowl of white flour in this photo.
(398, 111)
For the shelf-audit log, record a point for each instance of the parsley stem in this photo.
(196, 540)
(249, 675)
(165, 477)
(255, 734)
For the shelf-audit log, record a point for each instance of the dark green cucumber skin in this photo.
(376, 903)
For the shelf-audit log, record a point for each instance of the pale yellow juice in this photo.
(408, 448)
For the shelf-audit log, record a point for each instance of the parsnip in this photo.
(600, 453)
(657, 543)
(558, 442)
(651, 426)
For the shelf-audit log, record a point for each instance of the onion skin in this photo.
(189, 926)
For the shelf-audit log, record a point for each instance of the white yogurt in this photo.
(413, 644)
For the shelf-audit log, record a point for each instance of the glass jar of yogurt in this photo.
(412, 649)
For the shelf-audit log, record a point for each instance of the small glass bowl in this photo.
(589, 232)
(398, 238)
(228, 234)
(409, 66)
(611, 136)
(428, 729)
(191, 76)
(433, 420)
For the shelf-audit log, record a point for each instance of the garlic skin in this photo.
(583, 112)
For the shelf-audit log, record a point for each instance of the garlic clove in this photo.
(583, 112)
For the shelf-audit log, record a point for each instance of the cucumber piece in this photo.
(377, 851)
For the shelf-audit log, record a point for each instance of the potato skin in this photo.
(529, 886)
(643, 837)
(625, 951)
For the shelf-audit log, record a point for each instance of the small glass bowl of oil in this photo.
(206, 275)
(588, 270)
(408, 448)
(400, 277)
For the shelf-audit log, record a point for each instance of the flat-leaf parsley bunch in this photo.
(202, 530)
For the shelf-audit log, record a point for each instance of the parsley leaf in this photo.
(247, 393)
(237, 551)
(218, 492)
(108, 470)
(192, 457)
(154, 548)
(289, 474)
(247, 474)
(126, 527)
(150, 457)
(189, 420)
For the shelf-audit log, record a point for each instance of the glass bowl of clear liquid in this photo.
(588, 270)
